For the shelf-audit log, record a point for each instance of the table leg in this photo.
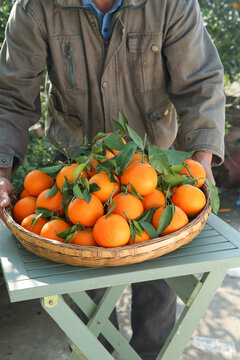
(86, 345)
(76, 330)
(196, 303)
(99, 323)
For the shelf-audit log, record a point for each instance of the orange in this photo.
(194, 170)
(179, 220)
(68, 171)
(111, 230)
(37, 227)
(36, 181)
(142, 176)
(128, 203)
(154, 199)
(87, 214)
(23, 208)
(52, 203)
(190, 199)
(107, 187)
(52, 228)
(24, 193)
(235, 6)
(83, 238)
(140, 238)
(61, 212)
(138, 157)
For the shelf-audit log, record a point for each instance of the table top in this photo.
(28, 276)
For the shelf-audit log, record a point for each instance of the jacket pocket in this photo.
(145, 60)
(163, 122)
(65, 131)
(68, 67)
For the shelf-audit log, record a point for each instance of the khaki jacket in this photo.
(159, 61)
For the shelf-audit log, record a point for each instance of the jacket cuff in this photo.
(208, 140)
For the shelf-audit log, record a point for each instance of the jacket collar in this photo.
(78, 3)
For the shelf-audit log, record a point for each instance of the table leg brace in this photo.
(77, 331)
(98, 323)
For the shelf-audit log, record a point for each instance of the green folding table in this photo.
(210, 254)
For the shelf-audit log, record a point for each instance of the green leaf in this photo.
(107, 165)
(44, 212)
(118, 127)
(99, 136)
(99, 157)
(82, 159)
(64, 233)
(68, 238)
(79, 169)
(176, 157)
(138, 226)
(67, 196)
(87, 196)
(177, 168)
(135, 137)
(85, 183)
(135, 193)
(112, 177)
(174, 179)
(147, 215)
(124, 157)
(80, 151)
(158, 159)
(77, 191)
(94, 187)
(113, 142)
(34, 220)
(123, 120)
(149, 228)
(56, 218)
(111, 207)
(52, 169)
(70, 231)
(97, 148)
(214, 197)
(132, 232)
(165, 219)
(52, 192)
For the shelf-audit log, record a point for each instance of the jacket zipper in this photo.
(70, 64)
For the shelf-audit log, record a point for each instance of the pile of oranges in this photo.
(109, 197)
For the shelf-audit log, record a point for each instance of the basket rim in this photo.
(9, 219)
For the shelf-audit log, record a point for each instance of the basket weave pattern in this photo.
(93, 256)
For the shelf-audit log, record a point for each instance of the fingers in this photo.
(205, 159)
(209, 174)
(5, 190)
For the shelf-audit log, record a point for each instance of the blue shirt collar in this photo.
(89, 3)
(104, 19)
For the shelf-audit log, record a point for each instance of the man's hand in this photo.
(205, 158)
(5, 188)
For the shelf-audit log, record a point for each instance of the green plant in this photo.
(222, 20)
(39, 153)
(4, 13)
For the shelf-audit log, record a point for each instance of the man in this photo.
(144, 58)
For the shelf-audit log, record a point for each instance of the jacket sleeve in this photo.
(22, 62)
(195, 84)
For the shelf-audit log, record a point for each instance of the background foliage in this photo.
(222, 20)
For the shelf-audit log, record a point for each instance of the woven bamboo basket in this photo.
(93, 256)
